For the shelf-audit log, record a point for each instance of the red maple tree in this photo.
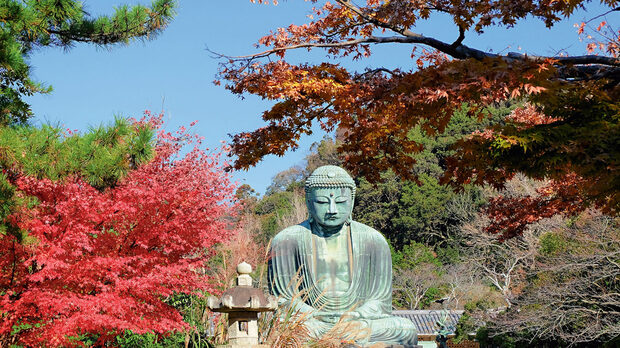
(98, 263)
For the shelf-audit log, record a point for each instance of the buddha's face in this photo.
(330, 207)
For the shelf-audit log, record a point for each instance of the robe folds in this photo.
(293, 276)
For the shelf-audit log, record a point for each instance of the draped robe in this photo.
(293, 269)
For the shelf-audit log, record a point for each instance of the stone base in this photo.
(383, 345)
(376, 345)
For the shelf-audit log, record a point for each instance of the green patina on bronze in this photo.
(342, 267)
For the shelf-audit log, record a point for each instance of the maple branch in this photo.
(460, 52)
(355, 9)
(378, 70)
(589, 72)
(456, 49)
(587, 59)
(343, 30)
(604, 14)
(461, 37)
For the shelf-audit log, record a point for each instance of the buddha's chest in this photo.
(332, 263)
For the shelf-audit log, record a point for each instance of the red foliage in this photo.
(376, 111)
(528, 116)
(103, 262)
(511, 216)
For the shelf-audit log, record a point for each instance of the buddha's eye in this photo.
(341, 200)
(321, 200)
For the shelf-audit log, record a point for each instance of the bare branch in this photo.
(461, 37)
(604, 14)
(378, 70)
(587, 59)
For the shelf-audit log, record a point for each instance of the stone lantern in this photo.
(242, 303)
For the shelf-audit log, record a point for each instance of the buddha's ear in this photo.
(352, 205)
(309, 207)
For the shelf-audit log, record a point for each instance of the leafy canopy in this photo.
(567, 134)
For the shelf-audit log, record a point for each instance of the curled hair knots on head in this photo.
(330, 177)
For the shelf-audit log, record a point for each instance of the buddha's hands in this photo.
(351, 315)
(327, 317)
(334, 317)
(372, 310)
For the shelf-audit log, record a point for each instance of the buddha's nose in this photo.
(332, 207)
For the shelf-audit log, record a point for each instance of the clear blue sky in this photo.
(174, 72)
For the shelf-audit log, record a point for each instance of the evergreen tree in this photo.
(31, 24)
(424, 211)
(101, 157)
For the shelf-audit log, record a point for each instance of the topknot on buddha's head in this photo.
(330, 177)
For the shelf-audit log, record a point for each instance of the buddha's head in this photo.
(330, 193)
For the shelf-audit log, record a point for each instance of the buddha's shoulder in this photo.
(367, 232)
(294, 232)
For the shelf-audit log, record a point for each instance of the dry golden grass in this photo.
(286, 328)
(344, 332)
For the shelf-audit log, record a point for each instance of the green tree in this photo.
(424, 211)
(377, 205)
(438, 148)
(102, 156)
(417, 274)
(286, 180)
(31, 24)
(270, 211)
(324, 153)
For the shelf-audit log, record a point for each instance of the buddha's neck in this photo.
(326, 231)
